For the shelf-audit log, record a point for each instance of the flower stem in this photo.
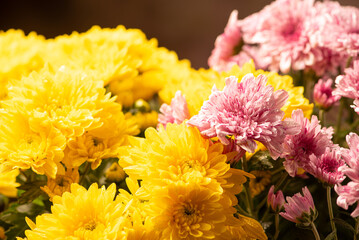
(315, 231)
(241, 210)
(330, 209)
(281, 181)
(276, 222)
(87, 168)
(349, 62)
(356, 228)
(265, 215)
(322, 117)
(339, 121)
(249, 200)
(278, 170)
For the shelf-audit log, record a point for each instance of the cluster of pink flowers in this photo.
(290, 35)
(285, 36)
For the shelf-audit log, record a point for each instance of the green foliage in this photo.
(13, 218)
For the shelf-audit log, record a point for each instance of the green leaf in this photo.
(261, 160)
(331, 236)
(14, 218)
(344, 224)
(32, 191)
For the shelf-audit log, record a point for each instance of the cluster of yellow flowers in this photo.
(66, 102)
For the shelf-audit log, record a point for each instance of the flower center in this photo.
(90, 226)
(189, 211)
(329, 165)
(238, 48)
(96, 141)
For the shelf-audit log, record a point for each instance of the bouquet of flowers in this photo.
(105, 135)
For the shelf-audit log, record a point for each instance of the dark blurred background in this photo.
(188, 27)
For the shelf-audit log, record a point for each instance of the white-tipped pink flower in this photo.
(312, 139)
(348, 85)
(326, 167)
(230, 49)
(356, 106)
(323, 94)
(275, 200)
(349, 194)
(283, 31)
(351, 157)
(300, 209)
(339, 27)
(248, 111)
(177, 112)
(227, 50)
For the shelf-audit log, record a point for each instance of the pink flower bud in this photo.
(300, 209)
(275, 200)
(177, 112)
(323, 94)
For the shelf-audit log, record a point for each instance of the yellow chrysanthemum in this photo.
(180, 153)
(8, 182)
(75, 105)
(19, 55)
(197, 88)
(68, 99)
(81, 214)
(138, 212)
(94, 214)
(62, 183)
(245, 229)
(115, 173)
(189, 211)
(28, 143)
(102, 142)
(132, 66)
(260, 182)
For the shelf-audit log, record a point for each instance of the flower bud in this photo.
(275, 200)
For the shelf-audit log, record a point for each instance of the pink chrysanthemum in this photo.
(248, 111)
(348, 85)
(351, 157)
(312, 139)
(227, 51)
(300, 209)
(326, 167)
(281, 31)
(230, 49)
(349, 194)
(177, 112)
(342, 22)
(323, 94)
(275, 200)
(284, 31)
